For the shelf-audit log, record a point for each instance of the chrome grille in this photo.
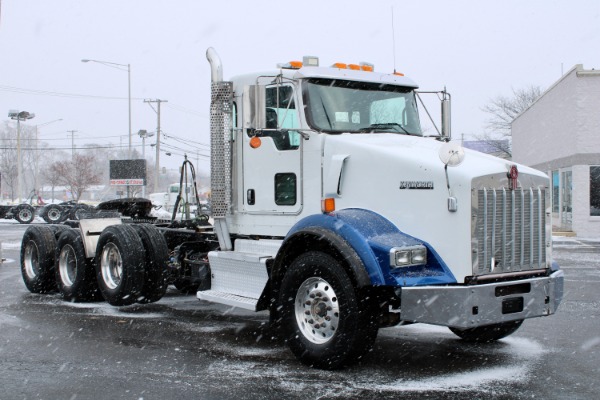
(510, 230)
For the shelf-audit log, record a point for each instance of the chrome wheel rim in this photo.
(317, 310)
(54, 214)
(25, 214)
(67, 265)
(111, 265)
(31, 260)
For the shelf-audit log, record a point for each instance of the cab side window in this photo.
(282, 116)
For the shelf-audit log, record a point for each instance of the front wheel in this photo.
(487, 333)
(325, 321)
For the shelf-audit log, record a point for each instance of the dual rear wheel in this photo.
(129, 264)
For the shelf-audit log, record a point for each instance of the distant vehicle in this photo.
(25, 212)
(168, 199)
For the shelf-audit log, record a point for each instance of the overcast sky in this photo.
(477, 49)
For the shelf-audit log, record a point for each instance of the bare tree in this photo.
(52, 176)
(78, 174)
(503, 110)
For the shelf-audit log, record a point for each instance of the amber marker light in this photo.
(368, 67)
(398, 73)
(340, 65)
(255, 142)
(328, 205)
(354, 67)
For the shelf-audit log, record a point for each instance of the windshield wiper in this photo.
(387, 126)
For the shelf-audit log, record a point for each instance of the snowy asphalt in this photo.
(182, 348)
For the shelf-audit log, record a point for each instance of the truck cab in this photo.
(332, 162)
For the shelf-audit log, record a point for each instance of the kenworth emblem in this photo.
(416, 184)
(513, 177)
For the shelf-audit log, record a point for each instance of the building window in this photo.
(595, 191)
(555, 191)
(285, 189)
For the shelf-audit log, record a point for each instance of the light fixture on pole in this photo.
(144, 134)
(19, 116)
(120, 67)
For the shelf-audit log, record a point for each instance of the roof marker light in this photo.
(354, 67)
(398, 73)
(290, 65)
(340, 65)
(365, 66)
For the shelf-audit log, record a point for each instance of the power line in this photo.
(38, 92)
(182, 140)
(186, 110)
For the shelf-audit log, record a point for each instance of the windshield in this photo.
(337, 106)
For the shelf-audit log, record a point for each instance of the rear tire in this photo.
(75, 274)
(156, 256)
(326, 323)
(488, 333)
(37, 259)
(24, 214)
(119, 265)
(52, 214)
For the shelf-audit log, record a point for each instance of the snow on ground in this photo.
(520, 355)
(572, 241)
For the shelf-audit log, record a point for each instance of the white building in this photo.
(560, 135)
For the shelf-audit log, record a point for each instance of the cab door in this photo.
(272, 157)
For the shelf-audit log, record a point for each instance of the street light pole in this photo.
(144, 134)
(19, 116)
(129, 106)
(120, 67)
(157, 162)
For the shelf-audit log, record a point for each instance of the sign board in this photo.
(128, 172)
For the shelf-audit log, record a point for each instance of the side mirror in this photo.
(254, 107)
(446, 115)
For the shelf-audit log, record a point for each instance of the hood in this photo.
(404, 179)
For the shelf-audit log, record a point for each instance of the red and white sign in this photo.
(130, 182)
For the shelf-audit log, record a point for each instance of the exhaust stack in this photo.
(216, 67)
(221, 130)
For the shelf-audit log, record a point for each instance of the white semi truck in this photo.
(334, 212)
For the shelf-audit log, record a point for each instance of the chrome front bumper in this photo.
(478, 305)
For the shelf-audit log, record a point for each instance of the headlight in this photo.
(408, 256)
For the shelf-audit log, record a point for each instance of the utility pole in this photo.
(157, 111)
(72, 143)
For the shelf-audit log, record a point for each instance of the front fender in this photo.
(371, 237)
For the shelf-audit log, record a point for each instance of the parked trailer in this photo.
(51, 213)
(23, 213)
(334, 212)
